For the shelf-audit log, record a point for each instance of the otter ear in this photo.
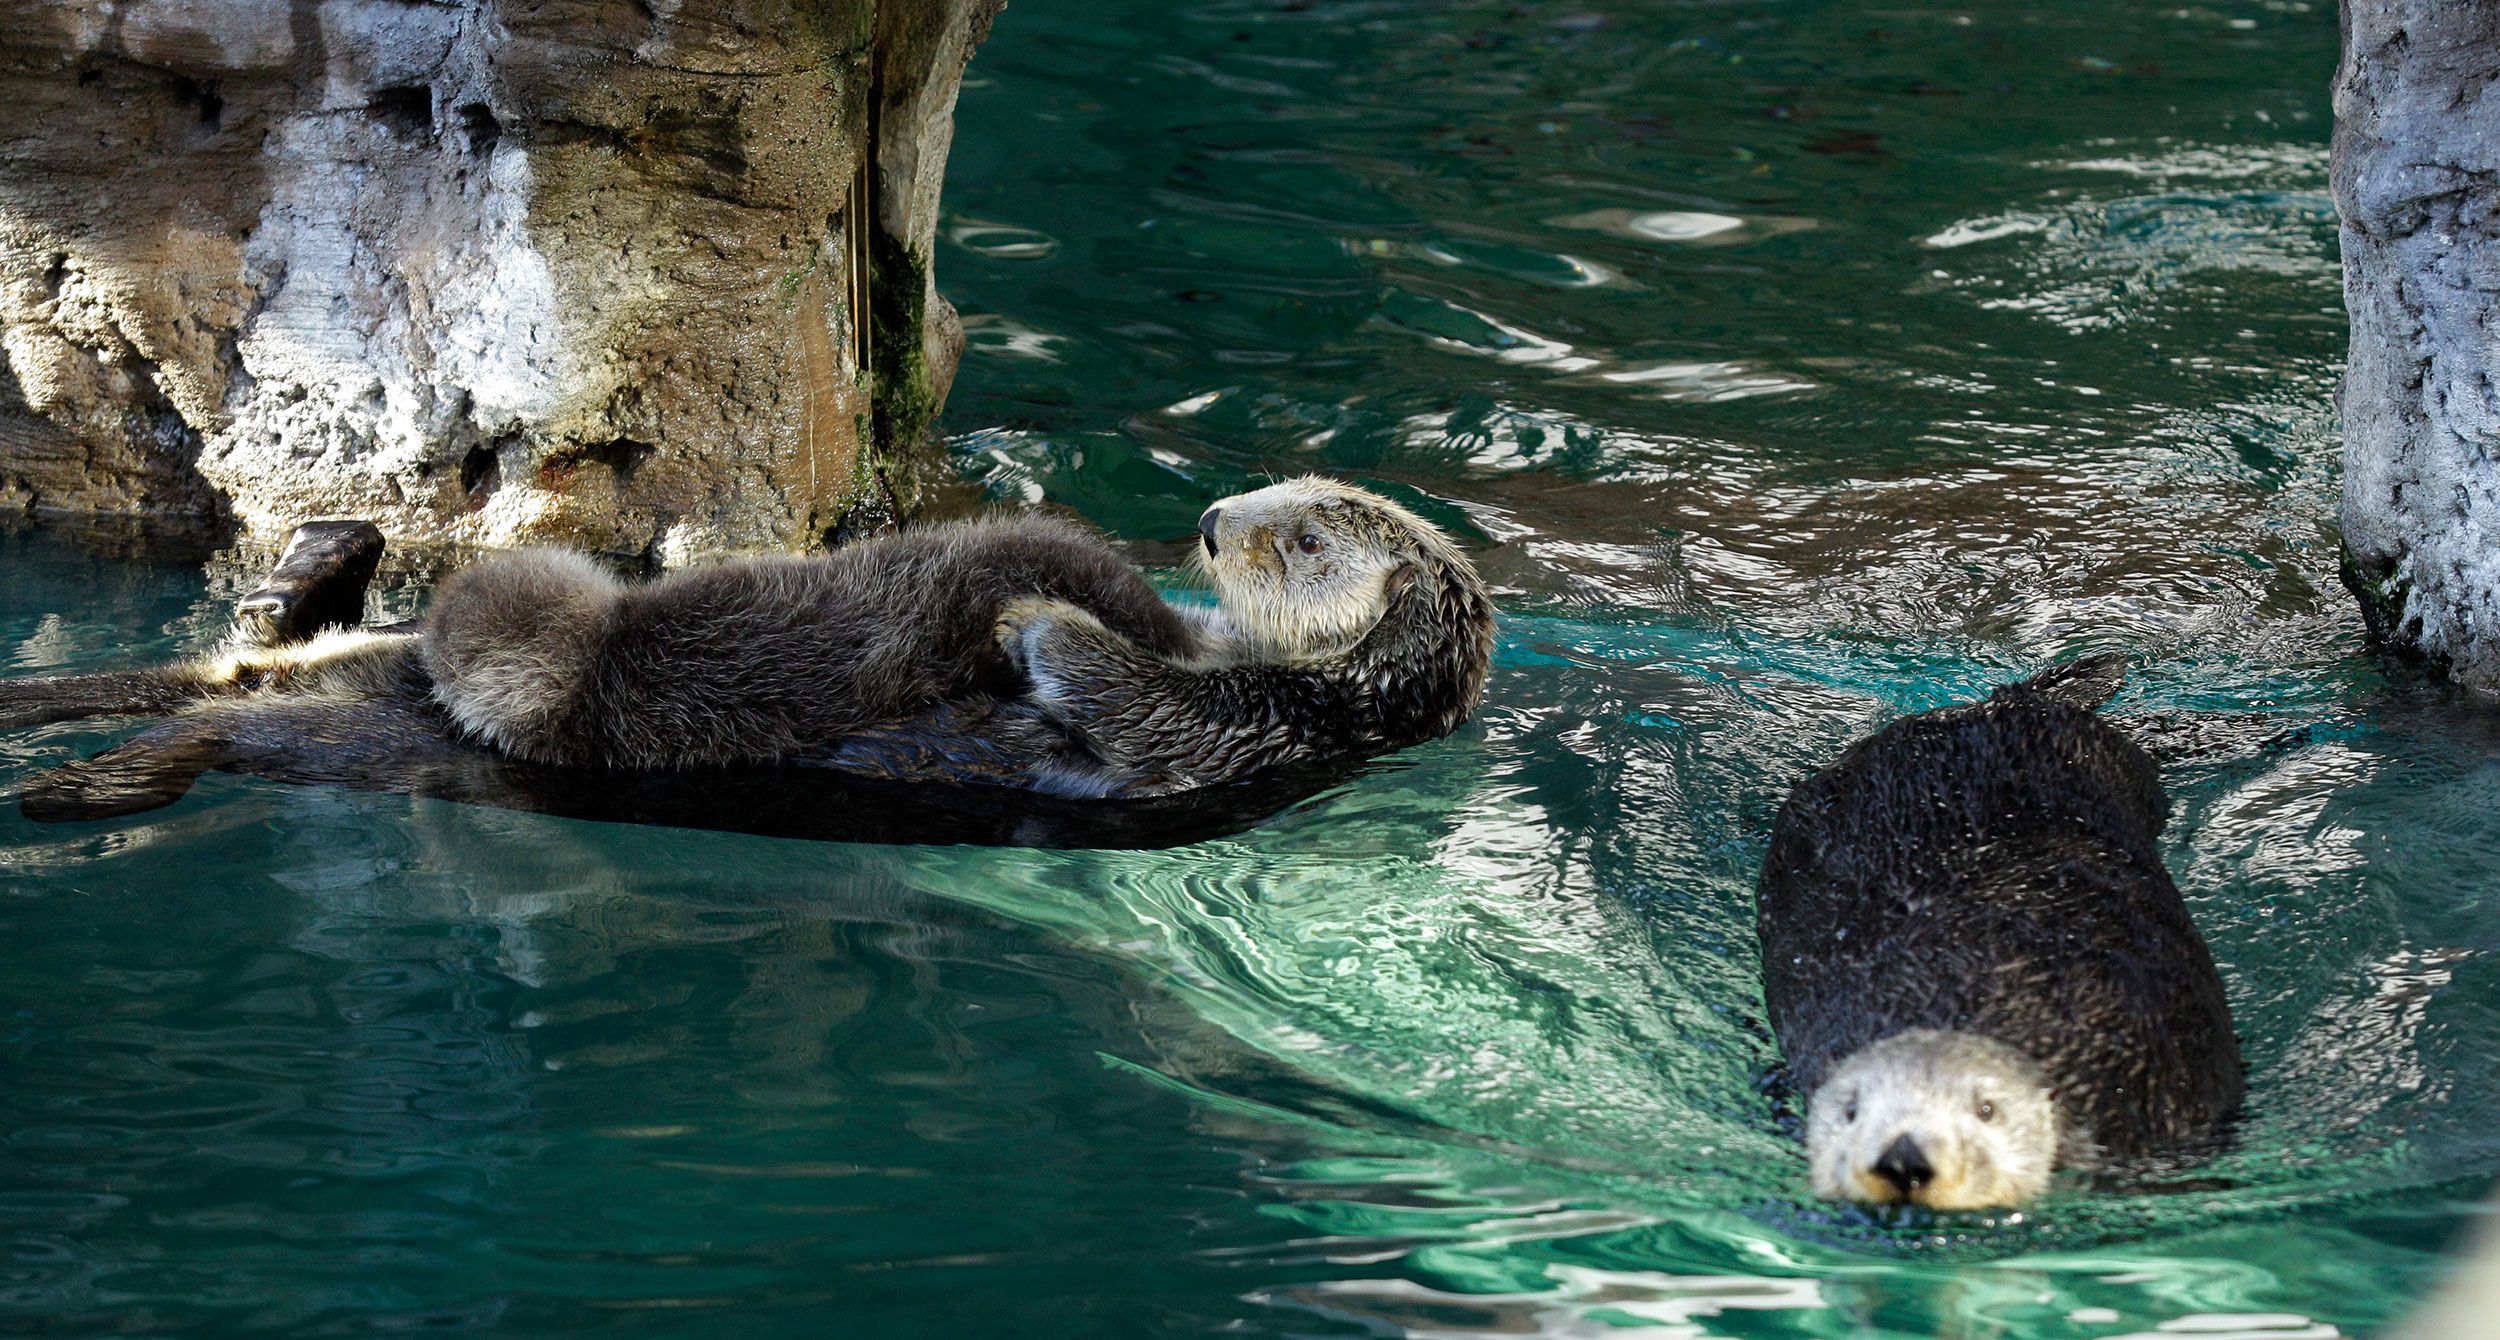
(1398, 579)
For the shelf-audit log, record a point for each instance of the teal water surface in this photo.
(1784, 366)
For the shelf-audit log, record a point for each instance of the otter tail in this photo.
(512, 645)
(319, 582)
(2083, 685)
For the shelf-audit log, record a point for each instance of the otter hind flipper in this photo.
(381, 733)
(110, 693)
(148, 772)
(2084, 685)
(319, 582)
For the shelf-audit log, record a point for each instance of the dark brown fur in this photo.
(1350, 627)
(1415, 677)
(879, 661)
(1992, 869)
(760, 659)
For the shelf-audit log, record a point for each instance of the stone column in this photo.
(644, 276)
(2417, 182)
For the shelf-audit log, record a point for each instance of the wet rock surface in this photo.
(650, 279)
(2417, 152)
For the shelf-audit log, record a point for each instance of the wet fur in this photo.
(548, 658)
(339, 665)
(884, 661)
(1925, 1086)
(1379, 641)
(1992, 868)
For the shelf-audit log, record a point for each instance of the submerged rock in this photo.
(647, 278)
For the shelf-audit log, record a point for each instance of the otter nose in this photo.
(1905, 1165)
(1206, 527)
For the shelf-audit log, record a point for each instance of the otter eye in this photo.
(1850, 1112)
(1308, 543)
(1987, 1110)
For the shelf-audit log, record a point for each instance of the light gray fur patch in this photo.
(1978, 1112)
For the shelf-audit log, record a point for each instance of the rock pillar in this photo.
(644, 276)
(2416, 171)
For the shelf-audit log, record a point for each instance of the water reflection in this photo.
(1785, 372)
(1785, 369)
(400, 1066)
(1685, 226)
(1585, 1303)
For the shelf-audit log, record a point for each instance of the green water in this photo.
(1785, 366)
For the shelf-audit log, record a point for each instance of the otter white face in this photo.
(1950, 1121)
(1302, 568)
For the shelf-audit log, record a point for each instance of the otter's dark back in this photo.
(1993, 868)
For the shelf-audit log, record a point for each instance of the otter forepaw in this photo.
(1039, 637)
(1020, 622)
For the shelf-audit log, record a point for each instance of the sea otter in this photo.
(546, 657)
(1976, 963)
(1345, 625)
(949, 654)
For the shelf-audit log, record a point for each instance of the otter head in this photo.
(1950, 1121)
(1306, 568)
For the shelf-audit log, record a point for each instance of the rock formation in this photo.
(2417, 183)
(646, 276)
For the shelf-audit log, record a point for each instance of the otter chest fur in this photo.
(1346, 626)
(1975, 961)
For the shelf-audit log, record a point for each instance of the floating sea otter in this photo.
(1019, 652)
(1976, 963)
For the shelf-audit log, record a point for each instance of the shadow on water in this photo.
(823, 807)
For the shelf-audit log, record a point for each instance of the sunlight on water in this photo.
(1783, 368)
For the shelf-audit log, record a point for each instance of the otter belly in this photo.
(1993, 869)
